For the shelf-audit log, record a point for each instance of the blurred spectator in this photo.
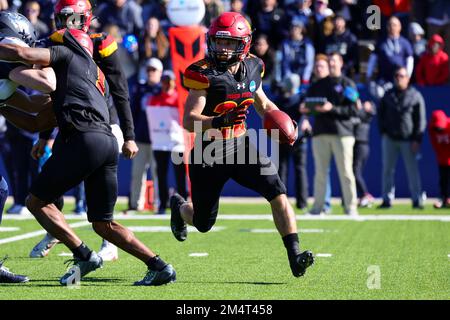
(391, 53)
(269, 19)
(157, 8)
(167, 136)
(32, 11)
(419, 45)
(353, 12)
(416, 37)
(126, 14)
(213, 9)
(299, 10)
(321, 23)
(333, 133)
(402, 122)
(321, 71)
(433, 67)
(144, 159)
(438, 20)
(361, 151)
(238, 6)
(154, 43)
(127, 51)
(398, 8)
(297, 54)
(262, 50)
(439, 130)
(344, 42)
(289, 102)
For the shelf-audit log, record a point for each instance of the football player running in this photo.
(222, 87)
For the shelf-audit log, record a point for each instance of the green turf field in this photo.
(412, 258)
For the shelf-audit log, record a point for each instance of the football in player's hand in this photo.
(287, 128)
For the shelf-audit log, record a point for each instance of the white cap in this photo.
(154, 63)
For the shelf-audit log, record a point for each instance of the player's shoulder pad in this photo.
(57, 37)
(103, 43)
(197, 75)
(257, 62)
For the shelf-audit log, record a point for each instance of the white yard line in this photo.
(39, 233)
(166, 229)
(8, 229)
(323, 255)
(239, 217)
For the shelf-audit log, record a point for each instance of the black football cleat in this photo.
(301, 262)
(157, 278)
(177, 224)
(7, 276)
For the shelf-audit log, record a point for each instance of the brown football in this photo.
(277, 119)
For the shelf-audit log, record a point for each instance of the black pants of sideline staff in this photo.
(298, 154)
(360, 156)
(163, 159)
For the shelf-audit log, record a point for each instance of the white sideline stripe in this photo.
(275, 230)
(239, 217)
(324, 255)
(198, 254)
(65, 254)
(39, 233)
(165, 229)
(8, 229)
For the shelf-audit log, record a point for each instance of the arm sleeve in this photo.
(371, 64)
(310, 52)
(59, 54)
(410, 65)
(419, 119)
(118, 85)
(348, 109)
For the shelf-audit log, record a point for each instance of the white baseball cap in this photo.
(154, 63)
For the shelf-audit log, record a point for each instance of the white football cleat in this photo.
(108, 251)
(44, 246)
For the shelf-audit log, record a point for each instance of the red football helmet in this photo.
(73, 14)
(84, 39)
(232, 26)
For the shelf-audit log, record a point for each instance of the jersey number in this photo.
(224, 107)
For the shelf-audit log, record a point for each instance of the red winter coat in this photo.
(440, 140)
(433, 69)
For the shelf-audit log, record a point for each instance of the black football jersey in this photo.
(224, 90)
(80, 97)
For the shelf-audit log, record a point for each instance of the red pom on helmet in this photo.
(73, 14)
(230, 25)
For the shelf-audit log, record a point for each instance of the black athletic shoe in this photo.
(158, 278)
(385, 205)
(301, 262)
(7, 276)
(177, 224)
